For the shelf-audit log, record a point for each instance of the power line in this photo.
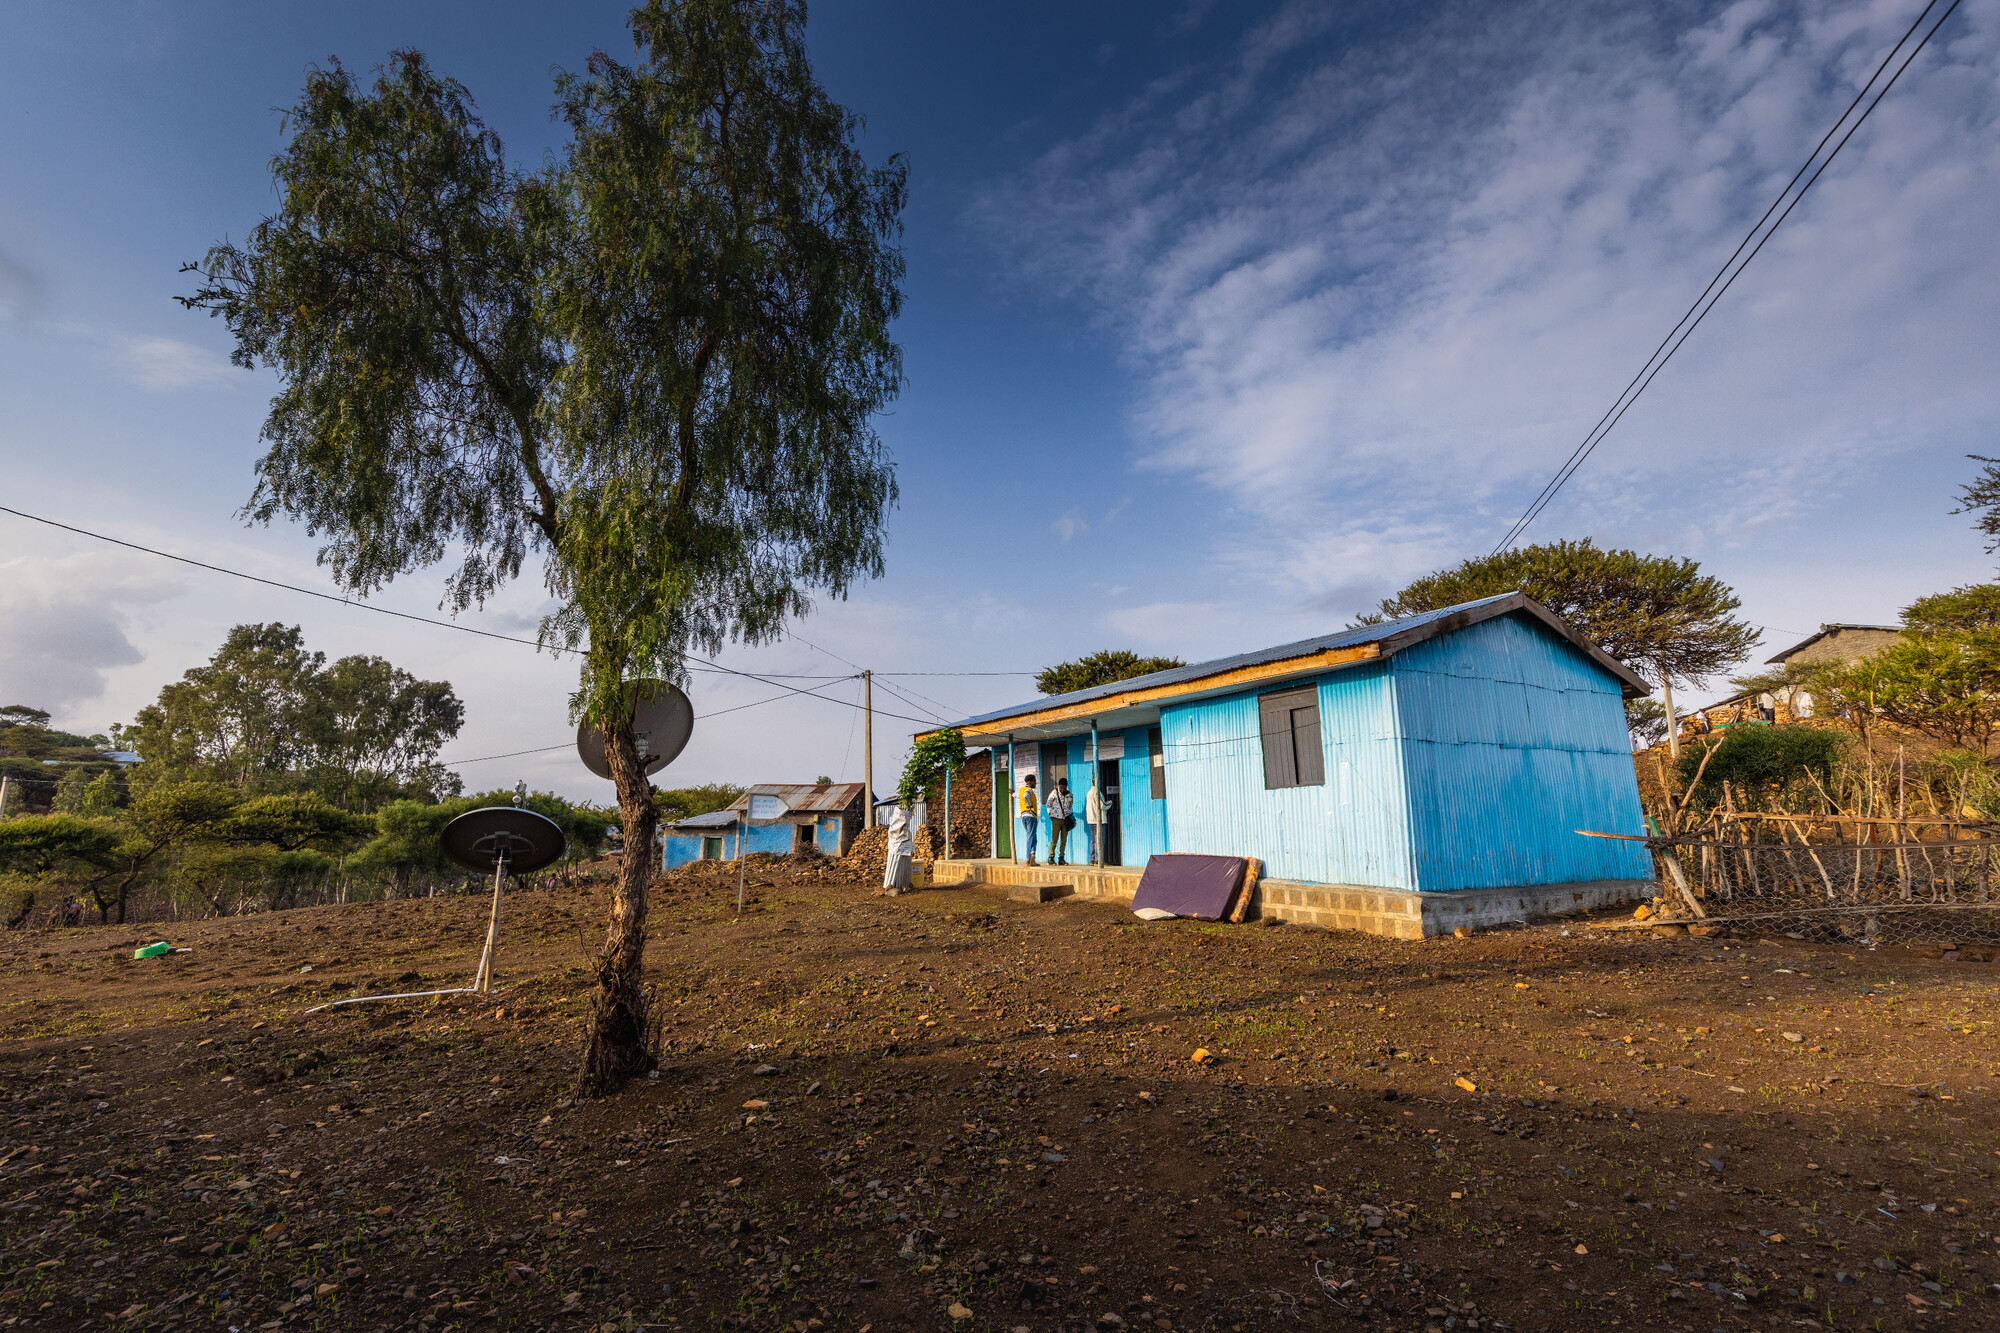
(704, 664)
(1712, 293)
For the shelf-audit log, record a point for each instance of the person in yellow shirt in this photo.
(1030, 810)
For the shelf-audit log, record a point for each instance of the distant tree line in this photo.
(268, 778)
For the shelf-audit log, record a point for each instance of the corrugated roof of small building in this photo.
(804, 798)
(1391, 635)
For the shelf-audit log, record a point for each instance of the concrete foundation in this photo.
(1402, 914)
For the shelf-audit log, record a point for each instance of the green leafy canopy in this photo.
(1101, 668)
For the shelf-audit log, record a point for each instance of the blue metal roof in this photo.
(1392, 636)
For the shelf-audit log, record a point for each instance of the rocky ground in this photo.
(951, 1111)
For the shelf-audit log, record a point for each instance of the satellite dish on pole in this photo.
(662, 721)
(481, 840)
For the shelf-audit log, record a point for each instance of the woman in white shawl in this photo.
(902, 851)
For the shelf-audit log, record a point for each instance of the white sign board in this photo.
(1027, 760)
(1110, 747)
(766, 807)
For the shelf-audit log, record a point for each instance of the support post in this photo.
(483, 982)
(1673, 723)
(740, 863)
(1007, 804)
(868, 749)
(947, 812)
(1097, 835)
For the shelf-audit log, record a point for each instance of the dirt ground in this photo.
(952, 1111)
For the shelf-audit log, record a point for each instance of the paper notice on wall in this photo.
(1027, 761)
(1110, 747)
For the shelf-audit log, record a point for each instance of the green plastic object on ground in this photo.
(153, 950)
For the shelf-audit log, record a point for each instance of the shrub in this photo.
(1762, 765)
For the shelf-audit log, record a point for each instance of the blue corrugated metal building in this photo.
(1459, 749)
(818, 816)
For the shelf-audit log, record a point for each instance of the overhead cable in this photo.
(1732, 268)
(704, 664)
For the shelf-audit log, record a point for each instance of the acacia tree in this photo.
(653, 365)
(1660, 616)
(1101, 668)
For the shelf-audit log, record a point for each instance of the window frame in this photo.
(1292, 737)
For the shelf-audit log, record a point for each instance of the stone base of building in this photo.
(1403, 914)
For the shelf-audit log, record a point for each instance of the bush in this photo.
(1762, 765)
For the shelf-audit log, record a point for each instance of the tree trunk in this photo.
(620, 1042)
(1673, 723)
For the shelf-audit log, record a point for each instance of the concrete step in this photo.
(1039, 893)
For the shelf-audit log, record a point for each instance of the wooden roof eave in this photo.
(1049, 723)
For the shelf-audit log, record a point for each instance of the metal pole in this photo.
(483, 983)
(947, 812)
(739, 867)
(1007, 806)
(868, 749)
(1096, 838)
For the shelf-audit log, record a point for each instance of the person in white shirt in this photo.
(1093, 818)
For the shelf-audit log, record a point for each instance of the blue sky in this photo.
(1222, 322)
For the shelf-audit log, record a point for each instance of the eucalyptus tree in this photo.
(652, 366)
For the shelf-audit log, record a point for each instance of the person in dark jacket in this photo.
(1059, 805)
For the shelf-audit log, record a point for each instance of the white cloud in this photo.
(166, 363)
(63, 626)
(1068, 526)
(1375, 294)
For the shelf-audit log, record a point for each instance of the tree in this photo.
(1974, 607)
(375, 731)
(37, 850)
(1945, 685)
(266, 714)
(239, 719)
(687, 802)
(654, 365)
(1101, 668)
(1660, 616)
(1981, 496)
(87, 793)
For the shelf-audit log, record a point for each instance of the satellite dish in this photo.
(479, 839)
(662, 719)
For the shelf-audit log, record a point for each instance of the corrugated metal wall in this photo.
(1513, 740)
(1353, 829)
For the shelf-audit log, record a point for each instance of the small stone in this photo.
(1792, 1036)
(766, 1069)
(756, 1104)
(957, 1311)
(1466, 1083)
(1643, 912)
(1462, 933)
(1110, 1319)
(1885, 1264)
(1582, 1249)
(1200, 1057)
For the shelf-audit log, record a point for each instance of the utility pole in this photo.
(4, 780)
(868, 749)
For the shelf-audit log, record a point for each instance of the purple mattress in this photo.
(1190, 885)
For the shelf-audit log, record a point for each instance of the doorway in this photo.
(1003, 814)
(1107, 783)
(1055, 769)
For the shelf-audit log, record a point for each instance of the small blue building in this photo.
(1459, 749)
(822, 817)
